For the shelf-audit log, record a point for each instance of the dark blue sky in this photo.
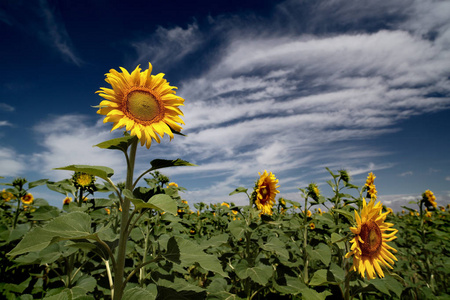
(288, 86)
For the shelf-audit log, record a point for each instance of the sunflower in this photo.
(67, 200)
(7, 196)
(429, 199)
(369, 246)
(371, 190)
(173, 184)
(265, 192)
(145, 104)
(312, 226)
(27, 199)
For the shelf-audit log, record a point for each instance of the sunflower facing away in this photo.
(429, 198)
(371, 190)
(265, 192)
(145, 104)
(369, 246)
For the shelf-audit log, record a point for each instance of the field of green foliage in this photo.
(178, 250)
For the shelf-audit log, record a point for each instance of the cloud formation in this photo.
(289, 98)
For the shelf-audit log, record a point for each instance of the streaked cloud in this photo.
(6, 107)
(13, 164)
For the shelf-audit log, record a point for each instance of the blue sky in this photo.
(290, 87)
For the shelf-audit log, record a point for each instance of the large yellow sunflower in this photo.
(266, 190)
(27, 199)
(145, 104)
(369, 246)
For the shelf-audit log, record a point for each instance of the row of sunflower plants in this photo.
(267, 249)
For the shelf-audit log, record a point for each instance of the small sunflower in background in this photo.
(429, 199)
(370, 186)
(145, 104)
(312, 226)
(265, 192)
(7, 196)
(67, 200)
(369, 246)
(173, 184)
(84, 181)
(27, 199)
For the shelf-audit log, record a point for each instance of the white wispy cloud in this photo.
(56, 33)
(6, 107)
(5, 123)
(69, 139)
(13, 164)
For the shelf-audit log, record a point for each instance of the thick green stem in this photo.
(80, 197)
(121, 252)
(17, 213)
(305, 242)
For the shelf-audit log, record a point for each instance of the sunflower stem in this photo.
(119, 283)
(305, 242)
(17, 213)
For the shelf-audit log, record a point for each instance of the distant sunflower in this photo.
(429, 199)
(371, 190)
(84, 181)
(67, 200)
(265, 192)
(7, 196)
(145, 104)
(27, 199)
(369, 246)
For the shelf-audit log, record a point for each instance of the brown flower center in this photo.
(142, 105)
(371, 235)
(265, 193)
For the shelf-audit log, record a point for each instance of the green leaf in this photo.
(121, 143)
(45, 213)
(187, 253)
(99, 171)
(338, 239)
(237, 228)
(321, 252)
(161, 202)
(345, 213)
(338, 273)
(239, 190)
(165, 163)
(311, 294)
(75, 225)
(138, 293)
(322, 277)
(276, 245)
(37, 183)
(259, 274)
(290, 285)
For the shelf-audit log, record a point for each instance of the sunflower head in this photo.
(312, 226)
(370, 186)
(429, 199)
(173, 184)
(143, 103)
(369, 245)
(84, 181)
(6, 196)
(344, 176)
(67, 200)
(264, 192)
(313, 191)
(27, 199)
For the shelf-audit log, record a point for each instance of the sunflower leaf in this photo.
(166, 163)
(161, 202)
(121, 143)
(239, 190)
(99, 171)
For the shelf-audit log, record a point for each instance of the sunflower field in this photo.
(141, 240)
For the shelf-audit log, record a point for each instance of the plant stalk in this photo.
(120, 261)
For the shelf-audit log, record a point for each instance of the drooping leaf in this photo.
(274, 244)
(161, 202)
(321, 252)
(75, 225)
(290, 285)
(121, 143)
(165, 163)
(322, 277)
(99, 171)
(237, 228)
(239, 190)
(260, 273)
(37, 183)
(138, 293)
(187, 253)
